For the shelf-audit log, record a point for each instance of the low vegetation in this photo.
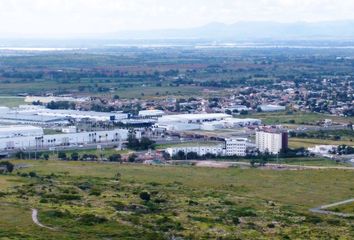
(115, 201)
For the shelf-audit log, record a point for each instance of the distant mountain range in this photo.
(336, 30)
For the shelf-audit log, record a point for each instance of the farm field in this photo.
(121, 201)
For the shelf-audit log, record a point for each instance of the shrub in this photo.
(8, 166)
(115, 158)
(95, 192)
(91, 219)
(32, 174)
(145, 196)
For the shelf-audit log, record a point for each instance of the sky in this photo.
(81, 17)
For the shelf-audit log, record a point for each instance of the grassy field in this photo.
(311, 142)
(86, 200)
(11, 101)
(299, 118)
(310, 161)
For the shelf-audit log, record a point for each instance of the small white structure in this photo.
(30, 99)
(19, 131)
(241, 122)
(237, 108)
(70, 129)
(272, 108)
(322, 149)
(151, 113)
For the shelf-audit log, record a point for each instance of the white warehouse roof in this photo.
(8, 131)
(151, 113)
(194, 117)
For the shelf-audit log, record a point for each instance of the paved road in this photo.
(322, 209)
(36, 221)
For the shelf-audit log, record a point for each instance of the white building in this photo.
(322, 149)
(19, 131)
(185, 122)
(75, 114)
(271, 140)
(19, 118)
(31, 99)
(236, 146)
(241, 122)
(71, 139)
(272, 108)
(193, 118)
(231, 147)
(151, 113)
(69, 129)
(202, 149)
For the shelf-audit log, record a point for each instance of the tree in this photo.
(132, 158)
(144, 144)
(46, 156)
(192, 155)
(115, 158)
(180, 156)
(75, 156)
(228, 111)
(62, 155)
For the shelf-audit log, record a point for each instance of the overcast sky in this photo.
(68, 17)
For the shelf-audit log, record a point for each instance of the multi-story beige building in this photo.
(271, 140)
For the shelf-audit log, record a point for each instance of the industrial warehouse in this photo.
(32, 138)
(30, 127)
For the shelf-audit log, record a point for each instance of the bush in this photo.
(91, 219)
(115, 158)
(84, 186)
(132, 158)
(32, 174)
(8, 166)
(95, 192)
(145, 196)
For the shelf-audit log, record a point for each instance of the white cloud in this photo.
(62, 17)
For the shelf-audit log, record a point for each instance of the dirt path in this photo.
(36, 221)
(322, 209)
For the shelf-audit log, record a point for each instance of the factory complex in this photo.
(24, 126)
